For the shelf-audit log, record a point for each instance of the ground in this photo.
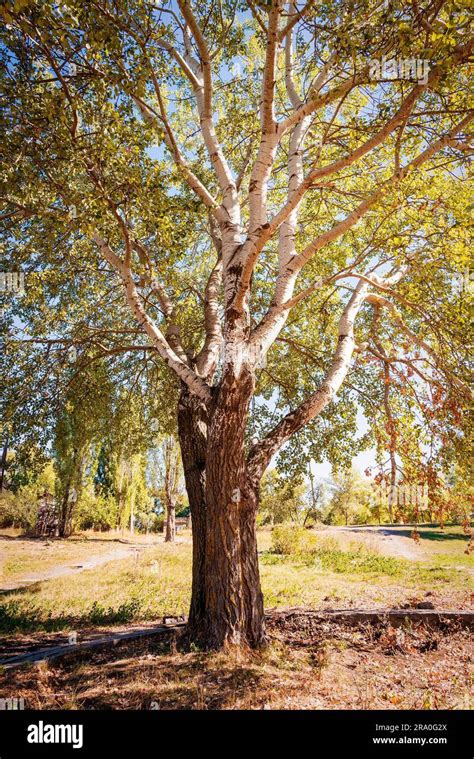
(28, 562)
(317, 665)
(327, 666)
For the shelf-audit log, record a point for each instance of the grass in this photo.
(334, 572)
(326, 667)
(23, 557)
(153, 585)
(339, 561)
(329, 667)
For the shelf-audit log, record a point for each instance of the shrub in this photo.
(290, 540)
(19, 509)
(309, 549)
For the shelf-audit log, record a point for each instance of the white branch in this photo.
(158, 340)
(261, 454)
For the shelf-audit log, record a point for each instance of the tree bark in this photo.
(170, 532)
(231, 610)
(192, 434)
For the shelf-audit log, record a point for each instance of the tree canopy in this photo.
(259, 206)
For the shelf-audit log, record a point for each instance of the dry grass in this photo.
(20, 558)
(11, 532)
(324, 667)
(157, 583)
(136, 538)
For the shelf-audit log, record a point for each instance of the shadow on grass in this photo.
(433, 535)
(148, 676)
(425, 533)
(14, 618)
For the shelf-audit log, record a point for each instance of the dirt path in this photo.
(124, 552)
(385, 539)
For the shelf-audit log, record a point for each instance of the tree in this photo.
(82, 416)
(171, 483)
(3, 462)
(255, 207)
(167, 480)
(317, 498)
(20, 508)
(120, 474)
(351, 499)
(280, 500)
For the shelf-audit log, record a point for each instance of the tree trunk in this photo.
(65, 516)
(392, 497)
(3, 464)
(231, 610)
(132, 515)
(192, 434)
(170, 532)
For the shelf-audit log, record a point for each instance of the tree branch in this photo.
(180, 368)
(261, 454)
(380, 301)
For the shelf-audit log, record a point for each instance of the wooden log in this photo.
(55, 652)
(396, 617)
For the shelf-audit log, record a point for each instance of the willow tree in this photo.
(304, 144)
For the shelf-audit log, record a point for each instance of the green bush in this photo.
(307, 548)
(290, 540)
(19, 509)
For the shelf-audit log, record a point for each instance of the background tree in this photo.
(281, 500)
(81, 416)
(171, 485)
(20, 509)
(351, 499)
(317, 493)
(166, 475)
